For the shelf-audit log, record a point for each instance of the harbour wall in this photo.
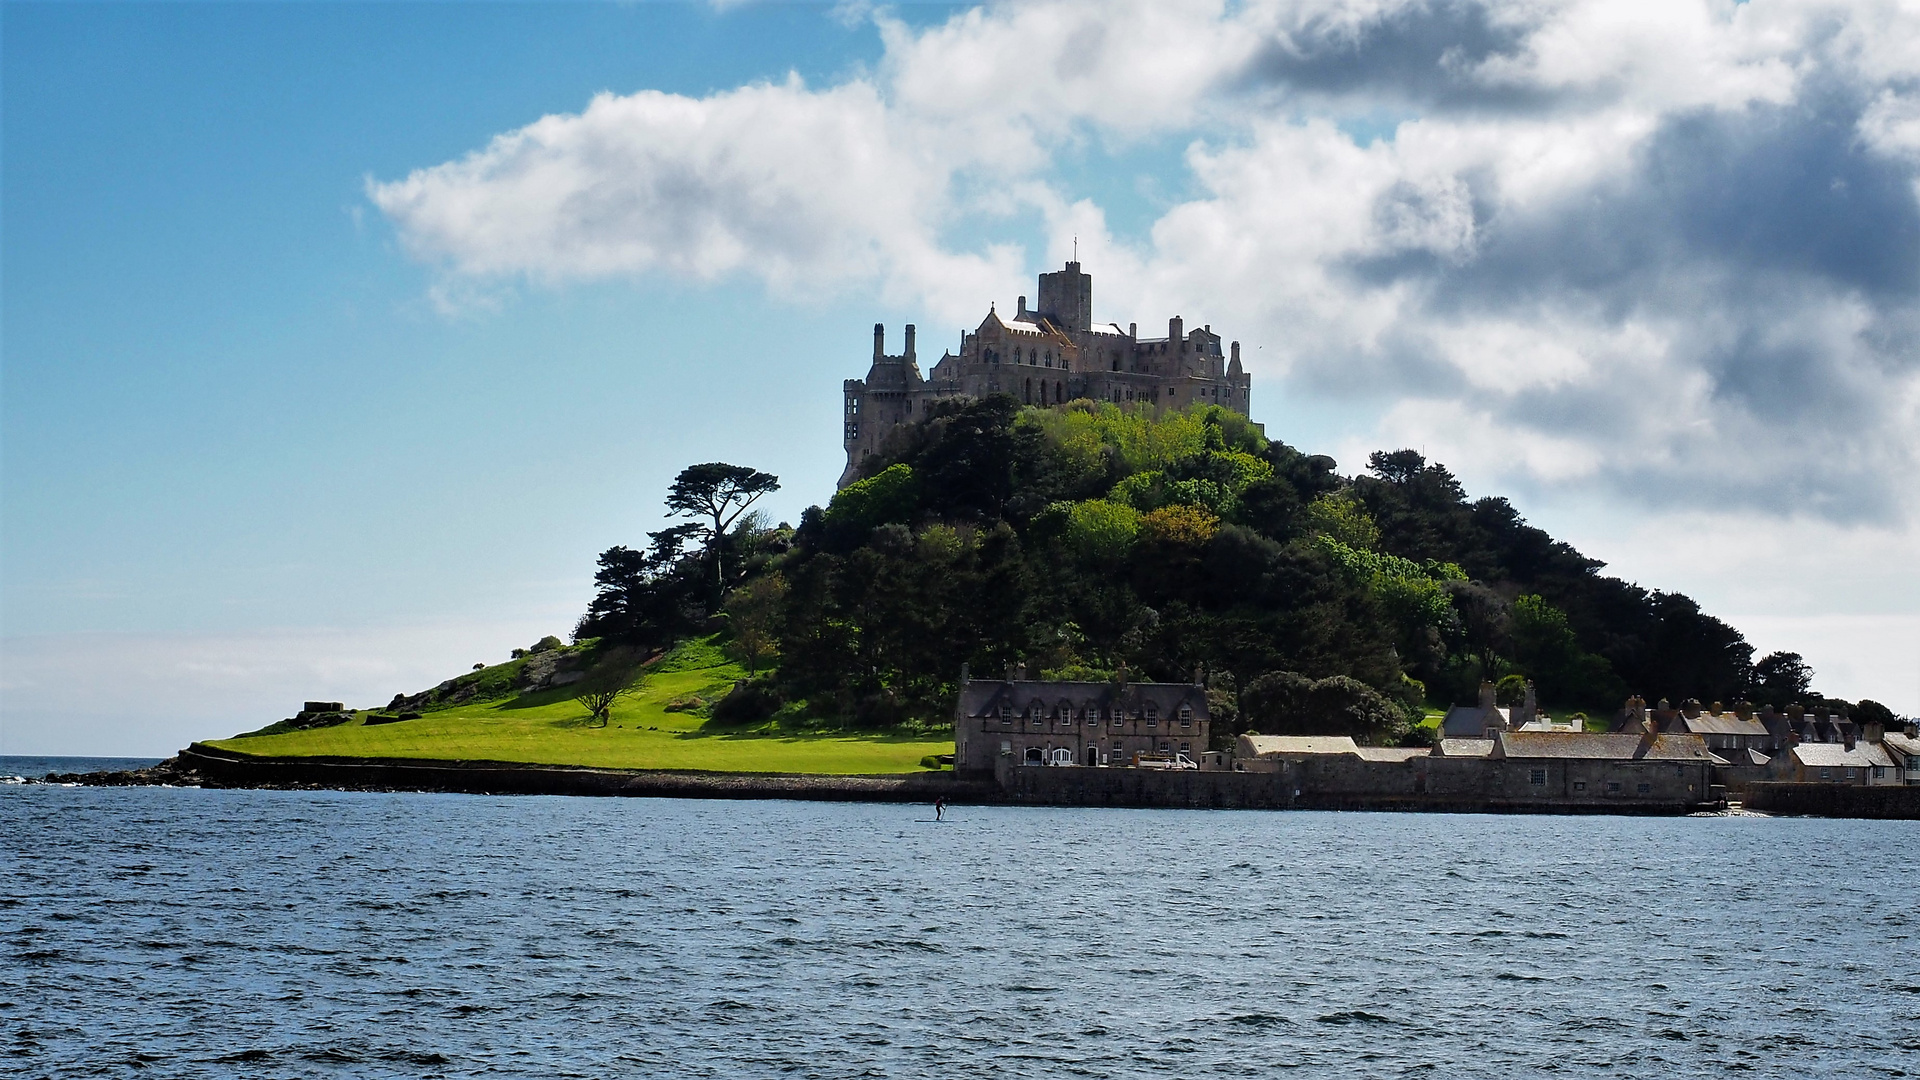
(1835, 800)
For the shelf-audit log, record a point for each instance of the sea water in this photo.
(163, 932)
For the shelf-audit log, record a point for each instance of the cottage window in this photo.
(1613, 787)
(1184, 747)
(1006, 747)
(1851, 773)
(1644, 788)
(1826, 774)
(1186, 715)
(1879, 771)
(1539, 777)
(1579, 785)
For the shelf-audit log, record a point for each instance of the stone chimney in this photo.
(1529, 705)
(1873, 732)
(1176, 328)
(1133, 331)
(966, 676)
(1486, 694)
(1847, 734)
(1010, 671)
(879, 340)
(1199, 674)
(1121, 675)
(1022, 670)
(909, 352)
(1023, 308)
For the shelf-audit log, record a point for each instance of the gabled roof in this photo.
(1900, 742)
(1830, 755)
(982, 697)
(1263, 745)
(1724, 724)
(1621, 746)
(1465, 747)
(1392, 753)
(1471, 721)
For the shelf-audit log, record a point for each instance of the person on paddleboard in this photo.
(939, 809)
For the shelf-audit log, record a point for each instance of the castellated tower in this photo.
(1048, 356)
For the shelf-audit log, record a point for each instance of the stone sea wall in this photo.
(1835, 800)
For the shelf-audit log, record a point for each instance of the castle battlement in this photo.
(1046, 356)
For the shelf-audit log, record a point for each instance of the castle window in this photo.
(853, 432)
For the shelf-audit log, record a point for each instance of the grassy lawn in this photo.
(549, 728)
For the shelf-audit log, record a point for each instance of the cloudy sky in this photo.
(339, 338)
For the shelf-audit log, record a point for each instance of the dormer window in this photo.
(1186, 716)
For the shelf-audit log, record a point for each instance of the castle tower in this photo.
(1066, 297)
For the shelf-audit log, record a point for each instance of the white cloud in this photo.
(812, 191)
(1662, 250)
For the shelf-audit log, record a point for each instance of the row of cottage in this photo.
(1484, 753)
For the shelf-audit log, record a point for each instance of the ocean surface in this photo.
(160, 932)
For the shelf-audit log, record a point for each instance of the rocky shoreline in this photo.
(208, 767)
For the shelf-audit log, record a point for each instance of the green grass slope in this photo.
(548, 727)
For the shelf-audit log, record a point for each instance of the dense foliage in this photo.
(1093, 537)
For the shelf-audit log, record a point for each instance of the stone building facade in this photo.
(1048, 355)
(1022, 721)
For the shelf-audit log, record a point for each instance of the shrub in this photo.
(751, 701)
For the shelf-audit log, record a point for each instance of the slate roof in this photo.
(1469, 721)
(982, 697)
(1466, 747)
(1901, 742)
(1263, 745)
(1724, 724)
(1620, 746)
(1829, 755)
(1392, 753)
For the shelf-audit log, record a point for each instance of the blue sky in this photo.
(329, 364)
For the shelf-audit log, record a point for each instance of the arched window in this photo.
(1043, 391)
(1029, 391)
(1059, 394)
(1049, 360)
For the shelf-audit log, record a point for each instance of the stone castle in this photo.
(1050, 355)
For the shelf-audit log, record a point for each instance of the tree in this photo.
(1289, 703)
(643, 597)
(1782, 678)
(606, 682)
(717, 493)
(753, 613)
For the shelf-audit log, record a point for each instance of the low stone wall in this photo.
(223, 768)
(1835, 800)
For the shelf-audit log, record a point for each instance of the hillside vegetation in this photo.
(663, 723)
(1081, 541)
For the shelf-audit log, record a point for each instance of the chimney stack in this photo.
(879, 340)
(909, 352)
(966, 676)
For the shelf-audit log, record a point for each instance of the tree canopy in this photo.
(1097, 536)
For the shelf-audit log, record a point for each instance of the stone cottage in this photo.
(1024, 721)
